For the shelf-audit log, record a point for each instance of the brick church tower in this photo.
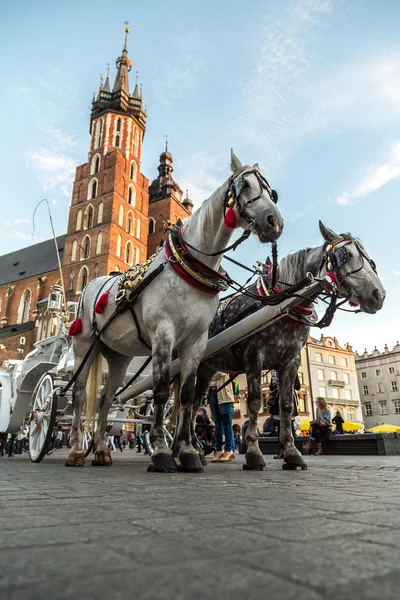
(166, 203)
(108, 218)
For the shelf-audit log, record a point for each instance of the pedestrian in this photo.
(3, 442)
(338, 421)
(117, 440)
(320, 428)
(59, 436)
(274, 408)
(220, 400)
(139, 443)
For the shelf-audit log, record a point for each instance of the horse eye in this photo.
(274, 196)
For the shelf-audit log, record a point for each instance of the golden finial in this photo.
(141, 89)
(166, 143)
(126, 23)
(137, 77)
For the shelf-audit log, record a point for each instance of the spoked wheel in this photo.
(42, 418)
(169, 440)
(87, 441)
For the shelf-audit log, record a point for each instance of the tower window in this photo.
(119, 243)
(78, 220)
(71, 281)
(82, 279)
(131, 195)
(89, 212)
(96, 272)
(100, 213)
(129, 223)
(24, 306)
(117, 141)
(121, 216)
(85, 248)
(92, 191)
(138, 224)
(119, 125)
(133, 171)
(152, 225)
(74, 250)
(97, 165)
(99, 242)
(129, 253)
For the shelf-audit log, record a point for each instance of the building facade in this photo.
(115, 219)
(333, 375)
(379, 384)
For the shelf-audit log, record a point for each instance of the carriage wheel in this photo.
(42, 419)
(169, 440)
(87, 441)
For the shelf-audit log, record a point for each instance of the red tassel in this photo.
(230, 218)
(75, 327)
(352, 303)
(101, 303)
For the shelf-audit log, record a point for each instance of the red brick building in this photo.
(115, 218)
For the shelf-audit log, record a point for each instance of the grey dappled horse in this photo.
(278, 347)
(172, 314)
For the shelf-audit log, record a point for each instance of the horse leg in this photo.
(204, 376)
(291, 456)
(190, 356)
(254, 457)
(117, 366)
(76, 455)
(162, 457)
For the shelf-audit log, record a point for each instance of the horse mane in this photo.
(294, 267)
(203, 216)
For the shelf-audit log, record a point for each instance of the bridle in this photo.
(337, 256)
(238, 183)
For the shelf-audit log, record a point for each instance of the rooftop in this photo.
(30, 261)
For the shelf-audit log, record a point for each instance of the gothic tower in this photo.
(165, 201)
(108, 218)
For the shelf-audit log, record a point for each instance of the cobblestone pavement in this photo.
(332, 532)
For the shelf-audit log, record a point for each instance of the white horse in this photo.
(171, 314)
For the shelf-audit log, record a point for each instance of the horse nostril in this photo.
(377, 295)
(271, 220)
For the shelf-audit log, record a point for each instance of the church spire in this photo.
(136, 90)
(106, 87)
(124, 65)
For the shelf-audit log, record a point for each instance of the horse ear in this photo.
(256, 166)
(236, 165)
(327, 233)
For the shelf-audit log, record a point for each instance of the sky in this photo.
(309, 89)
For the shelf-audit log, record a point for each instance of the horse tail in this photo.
(93, 384)
(175, 387)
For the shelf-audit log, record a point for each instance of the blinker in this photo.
(239, 185)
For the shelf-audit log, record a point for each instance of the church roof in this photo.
(33, 260)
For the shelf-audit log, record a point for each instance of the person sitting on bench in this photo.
(320, 428)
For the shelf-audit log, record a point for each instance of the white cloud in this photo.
(53, 169)
(395, 272)
(14, 229)
(60, 138)
(375, 178)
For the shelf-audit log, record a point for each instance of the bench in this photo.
(372, 444)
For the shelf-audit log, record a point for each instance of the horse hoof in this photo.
(75, 459)
(162, 463)
(102, 459)
(287, 467)
(295, 460)
(203, 460)
(254, 462)
(190, 463)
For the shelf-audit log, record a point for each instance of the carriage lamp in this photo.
(55, 300)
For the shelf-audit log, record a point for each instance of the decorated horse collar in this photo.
(298, 315)
(189, 268)
(237, 183)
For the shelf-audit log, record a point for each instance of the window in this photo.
(117, 141)
(334, 375)
(129, 223)
(82, 279)
(138, 225)
(351, 414)
(100, 213)
(119, 243)
(379, 387)
(344, 362)
(85, 248)
(71, 281)
(133, 171)
(121, 216)
(322, 391)
(365, 390)
(346, 378)
(331, 360)
(131, 195)
(128, 253)
(95, 165)
(378, 372)
(99, 242)
(391, 370)
(96, 272)
(301, 377)
(78, 220)
(338, 409)
(394, 386)
(119, 125)
(396, 406)
(74, 250)
(152, 225)
(347, 394)
(368, 409)
(264, 378)
(318, 357)
(335, 393)
(321, 374)
(137, 256)
(135, 140)
(99, 129)
(22, 341)
(24, 306)
(92, 190)
(384, 408)
(363, 375)
(89, 213)
(302, 403)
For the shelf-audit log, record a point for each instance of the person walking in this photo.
(338, 421)
(117, 440)
(321, 428)
(221, 405)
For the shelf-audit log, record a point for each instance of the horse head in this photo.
(353, 271)
(253, 201)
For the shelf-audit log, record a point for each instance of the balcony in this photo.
(336, 382)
